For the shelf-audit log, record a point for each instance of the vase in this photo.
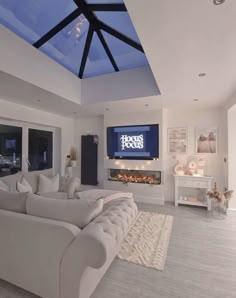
(68, 172)
(219, 209)
(73, 163)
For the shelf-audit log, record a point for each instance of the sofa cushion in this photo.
(107, 195)
(13, 201)
(3, 186)
(73, 187)
(54, 195)
(23, 186)
(64, 183)
(77, 212)
(47, 184)
(117, 219)
(33, 178)
(11, 180)
(69, 185)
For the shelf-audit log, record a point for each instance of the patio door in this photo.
(10, 149)
(40, 150)
(25, 147)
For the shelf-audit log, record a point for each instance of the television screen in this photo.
(133, 142)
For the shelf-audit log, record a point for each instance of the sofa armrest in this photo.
(95, 245)
(88, 250)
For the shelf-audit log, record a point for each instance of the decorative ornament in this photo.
(220, 196)
(220, 200)
(192, 167)
(179, 169)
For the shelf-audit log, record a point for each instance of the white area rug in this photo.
(147, 241)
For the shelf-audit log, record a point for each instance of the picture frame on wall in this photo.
(177, 140)
(206, 140)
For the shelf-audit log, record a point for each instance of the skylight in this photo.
(89, 38)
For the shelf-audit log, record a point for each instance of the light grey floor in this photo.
(201, 262)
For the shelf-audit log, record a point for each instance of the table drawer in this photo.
(195, 184)
(200, 184)
(185, 183)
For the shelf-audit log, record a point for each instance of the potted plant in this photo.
(73, 157)
(220, 200)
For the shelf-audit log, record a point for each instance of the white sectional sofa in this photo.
(55, 259)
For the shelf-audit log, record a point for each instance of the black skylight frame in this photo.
(95, 25)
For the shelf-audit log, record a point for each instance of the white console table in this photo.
(202, 182)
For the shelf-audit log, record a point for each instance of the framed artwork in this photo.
(206, 140)
(178, 140)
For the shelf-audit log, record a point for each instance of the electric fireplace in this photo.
(135, 176)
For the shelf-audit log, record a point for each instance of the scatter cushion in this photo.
(13, 201)
(77, 212)
(64, 183)
(47, 184)
(73, 187)
(70, 185)
(3, 186)
(23, 186)
(11, 180)
(33, 178)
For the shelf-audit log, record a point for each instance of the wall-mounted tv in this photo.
(133, 142)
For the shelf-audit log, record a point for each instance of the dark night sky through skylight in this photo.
(70, 44)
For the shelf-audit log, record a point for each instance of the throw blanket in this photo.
(106, 195)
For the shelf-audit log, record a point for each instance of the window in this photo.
(10, 149)
(25, 147)
(40, 150)
(89, 38)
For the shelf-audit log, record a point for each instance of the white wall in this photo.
(191, 119)
(232, 153)
(23, 61)
(64, 126)
(92, 126)
(133, 83)
(215, 162)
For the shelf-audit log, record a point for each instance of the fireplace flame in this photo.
(125, 178)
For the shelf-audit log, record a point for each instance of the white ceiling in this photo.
(184, 38)
(21, 92)
(122, 106)
(181, 39)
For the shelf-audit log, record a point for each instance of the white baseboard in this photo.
(148, 200)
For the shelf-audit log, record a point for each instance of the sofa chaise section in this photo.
(54, 259)
(31, 250)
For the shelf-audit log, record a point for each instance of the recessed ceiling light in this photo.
(218, 2)
(203, 74)
(146, 105)
(196, 99)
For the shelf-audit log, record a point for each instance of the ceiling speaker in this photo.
(218, 2)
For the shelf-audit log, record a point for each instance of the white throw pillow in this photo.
(3, 186)
(47, 184)
(73, 187)
(13, 201)
(23, 186)
(77, 212)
